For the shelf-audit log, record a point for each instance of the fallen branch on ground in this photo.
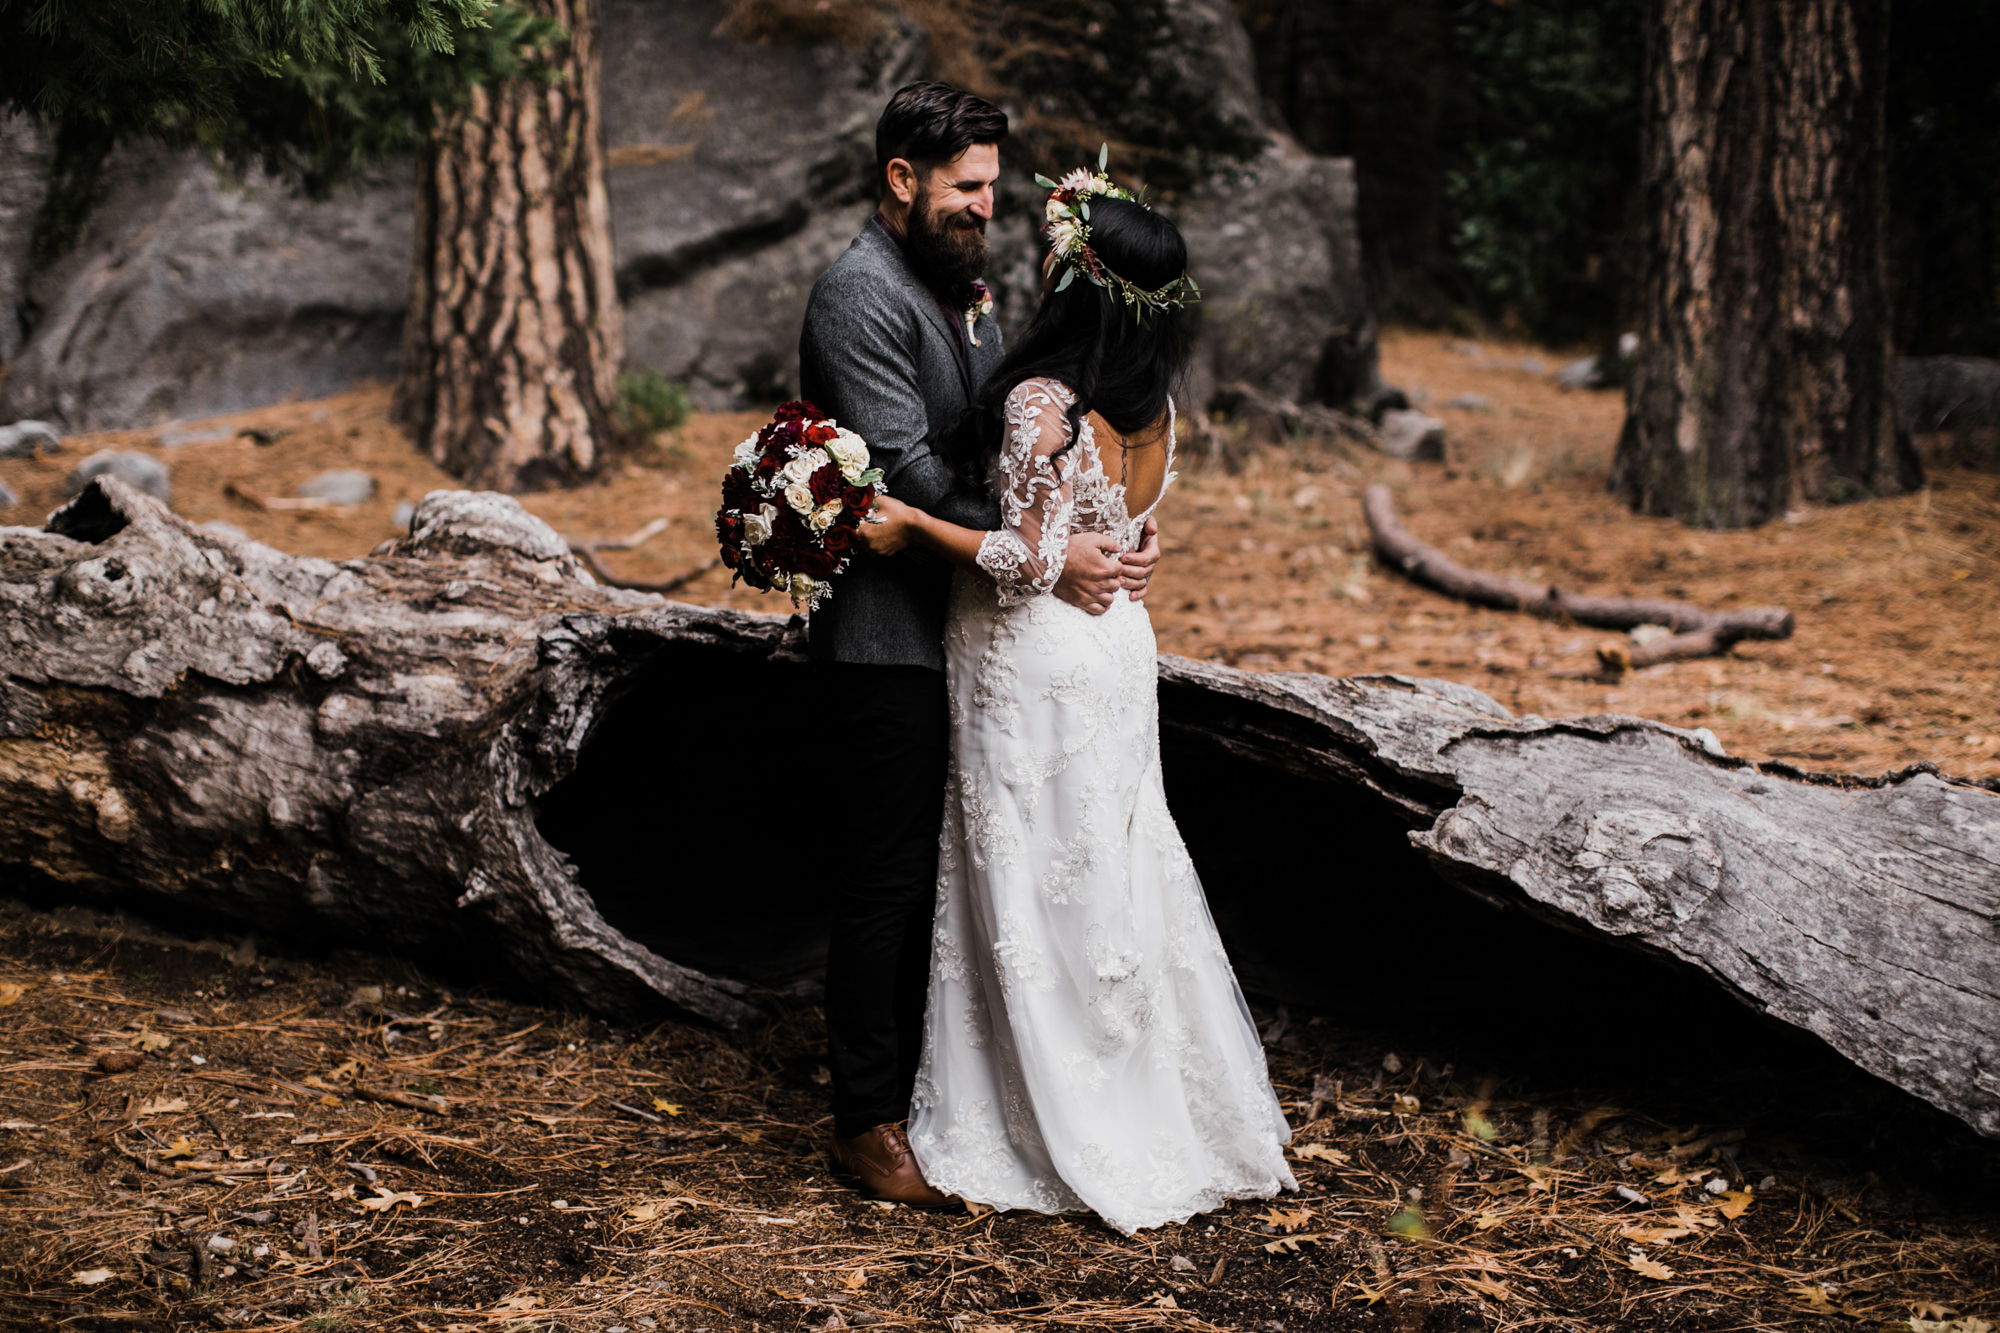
(1696, 632)
(587, 549)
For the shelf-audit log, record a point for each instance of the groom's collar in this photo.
(890, 229)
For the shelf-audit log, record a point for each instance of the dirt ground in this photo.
(196, 1137)
(1269, 568)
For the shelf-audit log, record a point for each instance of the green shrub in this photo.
(649, 404)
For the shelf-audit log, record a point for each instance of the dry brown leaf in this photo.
(386, 1199)
(1538, 1177)
(1735, 1203)
(1651, 1268)
(1814, 1297)
(1369, 1295)
(1687, 1216)
(1487, 1221)
(180, 1147)
(1491, 1287)
(148, 1040)
(1290, 1244)
(665, 1107)
(164, 1106)
(649, 1212)
(854, 1279)
(1406, 1105)
(1965, 1325)
(1167, 1302)
(1932, 1310)
(1287, 1219)
(519, 1303)
(1654, 1235)
(10, 991)
(1320, 1152)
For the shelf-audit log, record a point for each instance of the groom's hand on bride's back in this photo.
(1092, 573)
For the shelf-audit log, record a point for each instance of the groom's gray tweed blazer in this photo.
(880, 356)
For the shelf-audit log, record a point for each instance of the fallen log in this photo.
(468, 751)
(1696, 632)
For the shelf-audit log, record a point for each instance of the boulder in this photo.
(24, 168)
(29, 439)
(1413, 436)
(737, 171)
(187, 294)
(1955, 402)
(7, 497)
(142, 471)
(341, 486)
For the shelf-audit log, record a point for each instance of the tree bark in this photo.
(1763, 375)
(514, 335)
(467, 751)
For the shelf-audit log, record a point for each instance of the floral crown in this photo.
(1068, 231)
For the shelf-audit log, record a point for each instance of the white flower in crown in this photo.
(1056, 211)
(1081, 180)
(1066, 236)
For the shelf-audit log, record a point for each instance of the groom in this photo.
(896, 347)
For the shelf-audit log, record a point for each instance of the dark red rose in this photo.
(827, 484)
(819, 564)
(837, 539)
(767, 466)
(731, 556)
(737, 492)
(728, 528)
(860, 499)
(795, 411)
(821, 433)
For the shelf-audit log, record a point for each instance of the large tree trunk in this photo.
(467, 751)
(1763, 375)
(513, 340)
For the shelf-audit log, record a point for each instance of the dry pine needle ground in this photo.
(343, 1145)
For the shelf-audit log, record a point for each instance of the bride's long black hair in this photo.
(1121, 367)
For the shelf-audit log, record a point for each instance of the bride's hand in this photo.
(890, 527)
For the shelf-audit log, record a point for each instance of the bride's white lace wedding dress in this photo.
(1086, 1043)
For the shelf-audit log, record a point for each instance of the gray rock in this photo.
(7, 497)
(176, 436)
(341, 486)
(1578, 374)
(1412, 436)
(26, 439)
(1471, 402)
(134, 469)
(224, 528)
(1533, 365)
(1954, 401)
(187, 295)
(401, 515)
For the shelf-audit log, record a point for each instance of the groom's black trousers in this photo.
(879, 958)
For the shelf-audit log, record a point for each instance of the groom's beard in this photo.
(949, 252)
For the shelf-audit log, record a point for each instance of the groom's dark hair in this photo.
(930, 122)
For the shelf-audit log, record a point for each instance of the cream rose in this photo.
(801, 468)
(849, 454)
(799, 496)
(757, 526)
(820, 519)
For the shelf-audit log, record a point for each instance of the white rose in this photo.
(850, 454)
(1066, 237)
(822, 518)
(800, 469)
(799, 496)
(757, 526)
(1055, 211)
(802, 585)
(747, 453)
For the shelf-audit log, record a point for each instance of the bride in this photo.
(1086, 1044)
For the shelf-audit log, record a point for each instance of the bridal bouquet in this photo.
(791, 500)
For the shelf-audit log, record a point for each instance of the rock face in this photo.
(738, 171)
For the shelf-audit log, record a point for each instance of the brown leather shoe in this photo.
(881, 1159)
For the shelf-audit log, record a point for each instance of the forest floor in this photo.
(194, 1137)
(1269, 566)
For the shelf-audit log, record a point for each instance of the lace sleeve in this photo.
(1025, 556)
